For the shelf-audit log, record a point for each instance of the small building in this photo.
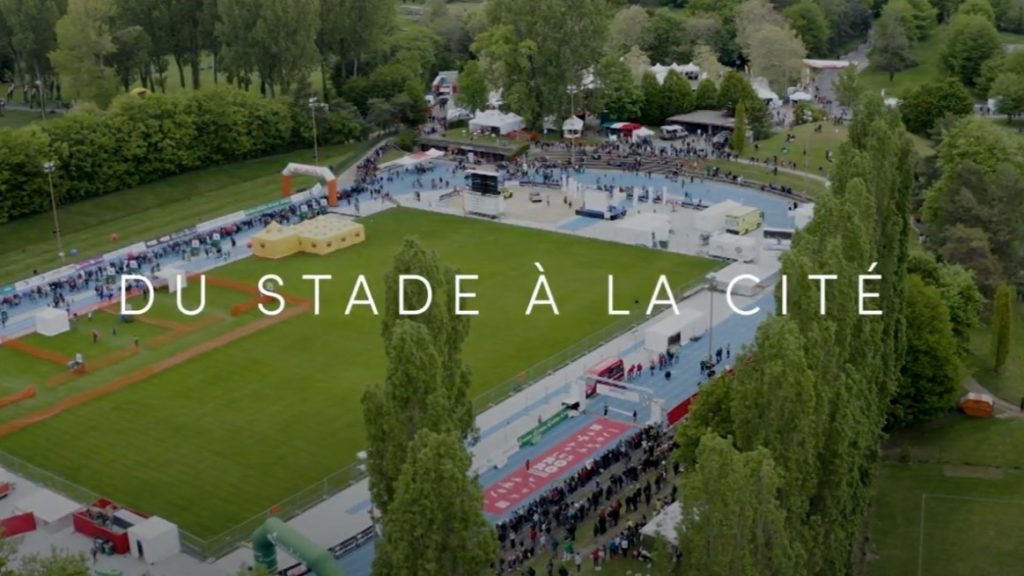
(732, 247)
(154, 540)
(572, 128)
(703, 121)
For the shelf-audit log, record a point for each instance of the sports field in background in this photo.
(957, 507)
(150, 210)
(228, 434)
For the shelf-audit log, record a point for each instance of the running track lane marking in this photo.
(568, 455)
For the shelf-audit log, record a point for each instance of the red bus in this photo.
(611, 369)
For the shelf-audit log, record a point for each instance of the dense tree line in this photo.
(804, 413)
(140, 140)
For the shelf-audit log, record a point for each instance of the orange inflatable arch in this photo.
(324, 175)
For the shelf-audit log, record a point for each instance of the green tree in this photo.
(928, 103)
(930, 374)
(971, 248)
(706, 58)
(628, 28)
(411, 399)
(436, 525)
(731, 520)
(1002, 325)
(918, 17)
(978, 8)
(655, 108)
(890, 47)
(678, 94)
(777, 56)
(535, 51)
(84, 46)
(959, 292)
(733, 89)
(473, 93)
(56, 563)
(706, 96)
(808, 19)
(970, 42)
(1010, 15)
(847, 86)
(618, 96)
(1008, 90)
(33, 33)
(738, 140)
(665, 39)
(276, 38)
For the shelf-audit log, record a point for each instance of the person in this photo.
(606, 407)
(578, 560)
(95, 336)
(527, 464)
(95, 552)
(634, 416)
(1022, 404)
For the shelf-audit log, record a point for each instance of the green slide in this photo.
(274, 533)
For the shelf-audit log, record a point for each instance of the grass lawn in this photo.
(1009, 382)
(153, 209)
(763, 174)
(19, 118)
(969, 475)
(223, 437)
(927, 54)
(968, 525)
(816, 144)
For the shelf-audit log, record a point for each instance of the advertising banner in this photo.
(269, 207)
(538, 431)
(218, 223)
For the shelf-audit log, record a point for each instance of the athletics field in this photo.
(212, 420)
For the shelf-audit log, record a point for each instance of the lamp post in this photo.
(49, 168)
(314, 105)
(711, 316)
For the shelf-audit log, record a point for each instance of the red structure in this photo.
(107, 520)
(18, 524)
(681, 410)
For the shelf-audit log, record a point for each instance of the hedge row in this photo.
(139, 140)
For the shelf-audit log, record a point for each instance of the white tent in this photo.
(169, 276)
(51, 322)
(803, 215)
(643, 229)
(413, 159)
(642, 133)
(674, 330)
(764, 91)
(765, 275)
(733, 247)
(53, 512)
(154, 540)
(664, 525)
(495, 121)
(800, 96)
(712, 219)
(572, 127)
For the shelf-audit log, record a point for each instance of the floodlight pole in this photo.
(49, 168)
(314, 105)
(711, 315)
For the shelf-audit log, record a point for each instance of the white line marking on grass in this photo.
(920, 543)
(976, 499)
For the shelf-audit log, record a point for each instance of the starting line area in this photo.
(569, 454)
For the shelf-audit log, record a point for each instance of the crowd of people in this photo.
(620, 491)
(103, 278)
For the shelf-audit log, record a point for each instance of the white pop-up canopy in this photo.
(154, 540)
(665, 524)
(170, 275)
(413, 159)
(642, 133)
(674, 330)
(800, 96)
(52, 511)
(496, 121)
(51, 322)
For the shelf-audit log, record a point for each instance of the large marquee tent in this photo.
(496, 122)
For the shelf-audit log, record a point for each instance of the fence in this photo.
(320, 491)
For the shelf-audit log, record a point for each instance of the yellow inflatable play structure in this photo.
(321, 235)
